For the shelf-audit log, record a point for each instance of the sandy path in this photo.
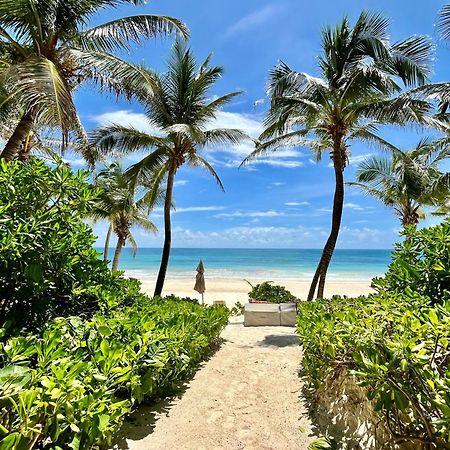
(245, 397)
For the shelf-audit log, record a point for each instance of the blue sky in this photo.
(283, 200)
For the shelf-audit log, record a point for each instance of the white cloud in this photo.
(181, 182)
(251, 214)
(353, 206)
(193, 209)
(200, 209)
(278, 183)
(245, 122)
(126, 118)
(227, 156)
(359, 158)
(288, 164)
(324, 210)
(280, 237)
(254, 19)
(257, 236)
(297, 203)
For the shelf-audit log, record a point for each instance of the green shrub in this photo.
(397, 346)
(72, 386)
(421, 263)
(270, 293)
(48, 267)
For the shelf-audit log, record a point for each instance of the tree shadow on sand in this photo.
(279, 340)
(142, 422)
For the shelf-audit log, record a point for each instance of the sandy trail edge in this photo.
(247, 396)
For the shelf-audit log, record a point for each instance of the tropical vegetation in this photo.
(357, 92)
(178, 106)
(48, 266)
(395, 342)
(407, 181)
(80, 345)
(72, 385)
(119, 205)
(271, 293)
(47, 50)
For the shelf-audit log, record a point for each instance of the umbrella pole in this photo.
(203, 301)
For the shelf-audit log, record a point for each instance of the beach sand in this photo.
(232, 290)
(248, 395)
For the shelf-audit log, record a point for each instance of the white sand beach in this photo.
(232, 290)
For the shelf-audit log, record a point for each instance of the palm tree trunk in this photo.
(22, 130)
(338, 206)
(25, 148)
(120, 245)
(105, 249)
(315, 280)
(167, 235)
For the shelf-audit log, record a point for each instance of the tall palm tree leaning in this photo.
(408, 180)
(178, 106)
(47, 50)
(357, 91)
(119, 205)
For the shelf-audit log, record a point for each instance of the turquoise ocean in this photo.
(257, 264)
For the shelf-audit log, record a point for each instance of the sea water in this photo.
(257, 264)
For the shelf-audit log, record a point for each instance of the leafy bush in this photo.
(396, 346)
(48, 267)
(267, 292)
(421, 263)
(238, 309)
(72, 386)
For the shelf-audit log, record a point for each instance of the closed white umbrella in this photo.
(200, 280)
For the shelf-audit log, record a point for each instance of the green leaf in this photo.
(34, 272)
(433, 317)
(404, 365)
(14, 378)
(11, 441)
(105, 331)
(103, 421)
(74, 428)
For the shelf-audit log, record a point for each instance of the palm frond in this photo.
(123, 140)
(364, 134)
(40, 81)
(197, 161)
(222, 100)
(411, 60)
(143, 172)
(224, 136)
(110, 73)
(443, 24)
(118, 34)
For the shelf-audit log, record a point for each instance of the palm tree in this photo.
(178, 106)
(357, 91)
(118, 204)
(47, 50)
(406, 181)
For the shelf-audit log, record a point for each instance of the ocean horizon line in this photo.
(254, 248)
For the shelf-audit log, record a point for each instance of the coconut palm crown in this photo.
(179, 108)
(120, 204)
(48, 49)
(359, 89)
(408, 180)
